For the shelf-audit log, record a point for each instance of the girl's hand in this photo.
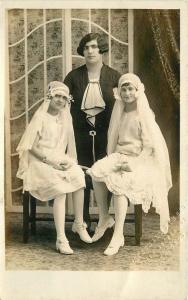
(66, 164)
(117, 167)
(63, 164)
(56, 166)
(122, 167)
(125, 167)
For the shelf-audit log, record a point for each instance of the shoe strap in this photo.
(106, 223)
(63, 242)
(81, 225)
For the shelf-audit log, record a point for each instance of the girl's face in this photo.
(58, 102)
(128, 93)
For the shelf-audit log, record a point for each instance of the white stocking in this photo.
(120, 208)
(59, 216)
(78, 202)
(101, 194)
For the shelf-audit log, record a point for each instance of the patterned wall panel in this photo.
(35, 46)
(36, 85)
(15, 25)
(80, 13)
(53, 14)
(17, 61)
(17, 98)
(100, 17)
(34, 18)
(17, 128)
(54, 69)
(79, 29)
(54, 38)
(119, 24)
(119, 57)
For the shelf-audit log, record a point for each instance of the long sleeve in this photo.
(147, 148)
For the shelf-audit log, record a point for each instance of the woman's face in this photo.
(58, 102)
(91, 52)
(128, 93)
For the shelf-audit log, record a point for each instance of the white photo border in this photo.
(100, 285)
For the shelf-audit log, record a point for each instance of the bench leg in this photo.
(87, 190)
(138, 223)
(33, 215)
(26, 201)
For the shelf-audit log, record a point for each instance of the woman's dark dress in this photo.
(77, 81)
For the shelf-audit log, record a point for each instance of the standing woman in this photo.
(91, 86)
(137, 166)
(48, 162)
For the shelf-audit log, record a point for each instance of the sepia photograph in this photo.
(92, 152)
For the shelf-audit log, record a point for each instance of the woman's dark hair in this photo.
(102, 44)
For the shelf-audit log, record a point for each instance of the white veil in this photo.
(160, 151)
(35, 126)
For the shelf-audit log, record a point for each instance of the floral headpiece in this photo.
(57, 87)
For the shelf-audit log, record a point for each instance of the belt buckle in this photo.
(92, 132)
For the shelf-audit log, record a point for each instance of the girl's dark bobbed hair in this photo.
(102, 44)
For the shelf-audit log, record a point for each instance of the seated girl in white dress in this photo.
(48, 162)
(137, 166)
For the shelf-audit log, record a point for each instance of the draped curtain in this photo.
(157, 62)
(165, 28)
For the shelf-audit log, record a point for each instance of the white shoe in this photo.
(81, 230)
(63, 247)
(100, 230)
(114, 246)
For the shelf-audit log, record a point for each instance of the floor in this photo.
(157, 251)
